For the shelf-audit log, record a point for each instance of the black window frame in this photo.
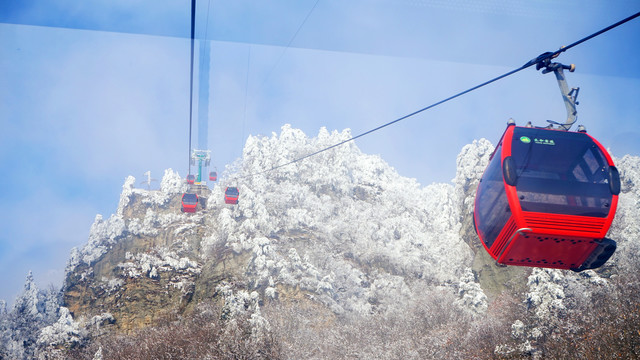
(560, 172)
(492, 204)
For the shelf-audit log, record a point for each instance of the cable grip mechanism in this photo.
(570, 97)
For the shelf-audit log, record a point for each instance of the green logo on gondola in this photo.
(544, 141)
(525, 139)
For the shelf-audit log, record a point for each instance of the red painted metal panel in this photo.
(541, 250)
(566, 225)
(501, 241)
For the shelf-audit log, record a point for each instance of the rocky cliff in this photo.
(339, 235)
(343, 229)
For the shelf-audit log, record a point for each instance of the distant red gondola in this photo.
(231, 195)
(189, 202)
(191, 179)
(213, 176)
(547, 199)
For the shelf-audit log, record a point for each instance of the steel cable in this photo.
(540, 59)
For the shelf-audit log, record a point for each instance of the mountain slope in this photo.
(333, 245)
(342, 227)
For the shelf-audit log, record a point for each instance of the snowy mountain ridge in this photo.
(341, 230)
(343, 226)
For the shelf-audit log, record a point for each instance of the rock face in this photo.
(494, 279)
(341, 231)
(140, 263)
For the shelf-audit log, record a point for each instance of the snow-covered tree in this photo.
(32, 310)
(471, 295)
(98, 354)
(63, 333)
(359, 248)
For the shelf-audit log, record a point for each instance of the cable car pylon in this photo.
(196, 183)
(189, 199)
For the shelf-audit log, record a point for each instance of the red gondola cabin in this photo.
(547, 199)
(191, 179)
(231, 195)
(213, 176)
(189, 202)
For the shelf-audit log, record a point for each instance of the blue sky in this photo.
(98, 90)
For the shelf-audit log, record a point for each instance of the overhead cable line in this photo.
(289, 43)
(204, 80)
(193, 28)
(266, 78)
(246, 90)
(538, 60)
(206, 27)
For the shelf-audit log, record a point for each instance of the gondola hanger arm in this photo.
(570, 97)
